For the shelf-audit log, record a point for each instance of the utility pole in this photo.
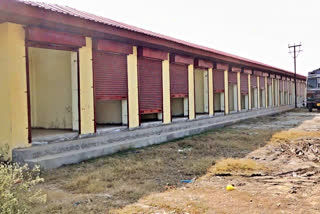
(295, 55)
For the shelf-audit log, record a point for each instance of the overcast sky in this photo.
(256, 29)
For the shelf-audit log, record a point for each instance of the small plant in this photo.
(17, 187)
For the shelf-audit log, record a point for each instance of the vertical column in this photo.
(283, 98)
(226, 93)
(13, 87)
(249, 91)
(86, 88)
(166, 91)
(279, 93)
(210, 88)
(258, 91)
(239, 91)
(272, 92)
(133, 100)
(191, 92)
(266, 91)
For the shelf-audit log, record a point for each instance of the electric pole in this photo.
(295, 55)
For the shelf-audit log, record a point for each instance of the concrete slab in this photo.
(57, 154)
(44, 136)
(101, 129)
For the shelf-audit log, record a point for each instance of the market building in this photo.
(69, 73)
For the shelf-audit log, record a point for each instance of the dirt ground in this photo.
(148, 180)
(288, 183)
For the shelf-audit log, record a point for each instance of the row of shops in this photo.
(59, 78)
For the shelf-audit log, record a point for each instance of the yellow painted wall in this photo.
(191, 92)
(210, 88)
(132, 66)
(258, 87)
(50, 88)
(239, 91)
(109, 111)
(226, 92)
(199, 89)
(177, 106)
(249, 91)
(166, 112)
(86, 88)
(13, 106)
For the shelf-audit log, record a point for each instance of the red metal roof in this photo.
(99, 19)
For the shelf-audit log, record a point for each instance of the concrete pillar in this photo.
(255, 91)
(249, 91)
(258, 92)
(239, 91)
(13, 87)
(263, 97)
(246, 104)
(185, 106)
(86, 88)
(74, 87)
(235, 97)
(266, 91)
(124, 108)
(226, 93)
(272, 92)
(283, 99)
(205, 92)
(211, 99)
(222, 96)
(191, 92)
(166, 112)
(278, 92)
(133, 101)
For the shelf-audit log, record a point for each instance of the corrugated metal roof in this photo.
(88, 16)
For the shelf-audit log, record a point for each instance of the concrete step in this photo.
(57, 154)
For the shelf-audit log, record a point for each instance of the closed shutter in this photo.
(261, 82)
(232, 77)
(150, 85)
(281, 85)
(244, 83)
(269, 80)
(178, 80)
(218, 81)
(110, 76)
(253, 81)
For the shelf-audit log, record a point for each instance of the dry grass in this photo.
(128, 176)
(232, 166)
(291, 135)
(115, 181)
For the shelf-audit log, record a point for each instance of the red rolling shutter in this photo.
(232, 77)
(218, 81)
(253, 81)
(269, 80)
(178, 80)
(150, 85)
(261, 82)
(244, 83)
(110, 76)
(281, 85)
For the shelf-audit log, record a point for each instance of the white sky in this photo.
(256, 29)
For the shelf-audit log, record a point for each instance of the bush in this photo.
(17, 187)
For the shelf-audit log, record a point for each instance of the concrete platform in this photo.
(68, 152)
(45, 136)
